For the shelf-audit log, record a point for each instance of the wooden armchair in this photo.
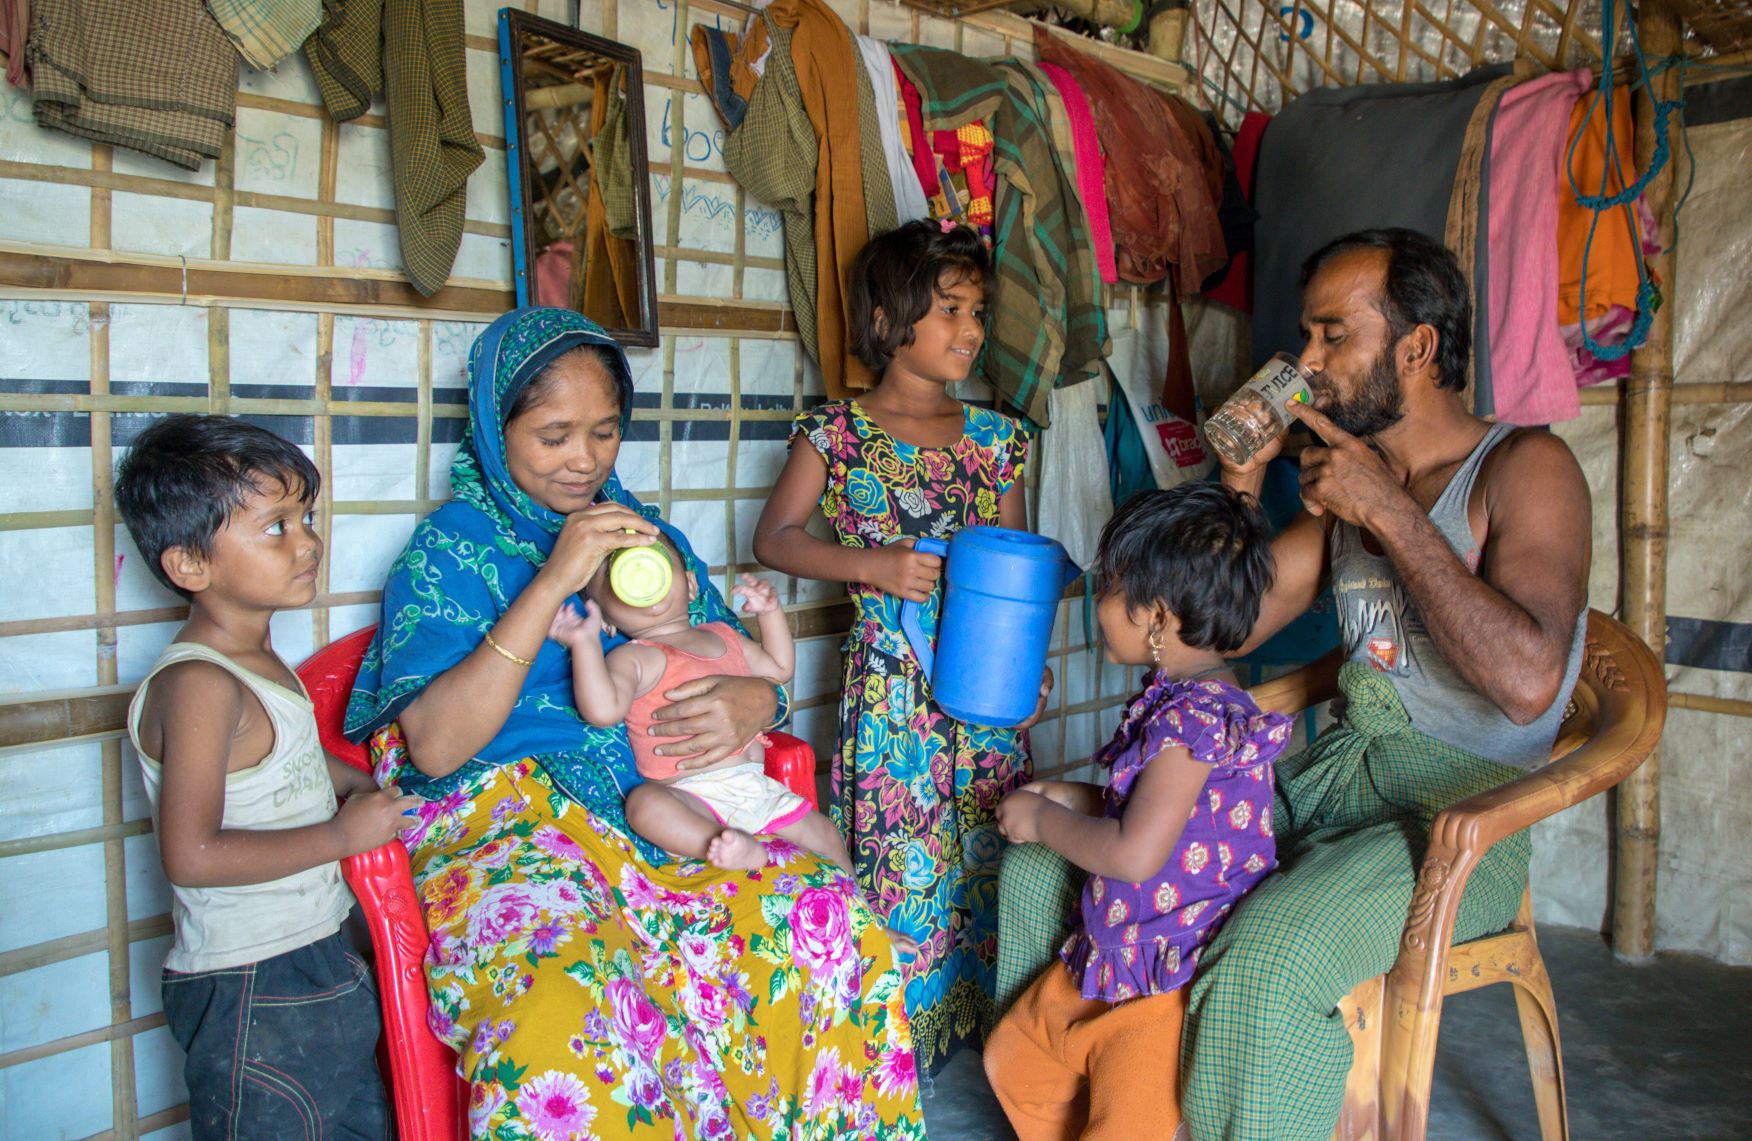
(1615, 720)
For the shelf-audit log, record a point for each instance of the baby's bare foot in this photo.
(734, 848)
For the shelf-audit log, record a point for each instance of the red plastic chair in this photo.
(431, 1101)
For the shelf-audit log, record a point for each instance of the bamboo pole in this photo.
(1642, 583)
(1719, 392)
(1709, 703)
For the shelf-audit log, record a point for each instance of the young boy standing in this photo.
(278, 1018)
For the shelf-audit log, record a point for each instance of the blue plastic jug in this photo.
(1001, 592)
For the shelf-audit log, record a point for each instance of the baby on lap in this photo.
(715, 812)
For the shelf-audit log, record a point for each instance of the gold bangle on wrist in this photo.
(507, 654)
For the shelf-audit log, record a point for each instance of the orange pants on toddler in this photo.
(1064, 1066)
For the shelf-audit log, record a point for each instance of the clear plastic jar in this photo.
(1259, 412)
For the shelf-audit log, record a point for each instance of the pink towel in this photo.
(1531, 376)
(1091, 167)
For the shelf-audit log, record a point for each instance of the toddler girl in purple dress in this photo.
(1180, 833)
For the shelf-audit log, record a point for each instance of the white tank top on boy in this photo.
(218, 927)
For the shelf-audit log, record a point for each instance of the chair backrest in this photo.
(328, 675)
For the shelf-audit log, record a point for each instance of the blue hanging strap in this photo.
(1648, 297)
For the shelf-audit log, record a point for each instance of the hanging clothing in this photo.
(611, 156)
(267, 31)
(1531, 378)
(967, 151)
(553, 275)
(879, 210)
(954, 167)
(1468, 235)
(609, 294)
(1235, 287)
(157, 77)
(1091, 166)
(1400, 146)
(1047, 325)
(773, 155)
(1163, 208)
(1164, 179)
(827, 75)
(715, 59)
(1075, 497)
(1609, 328)
(412, 51)
(1612, 260)
(912, 131)
(909, 197)
(14, 32)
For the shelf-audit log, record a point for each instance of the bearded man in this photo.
(1458, 553)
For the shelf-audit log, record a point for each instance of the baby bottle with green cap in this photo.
(640, 576)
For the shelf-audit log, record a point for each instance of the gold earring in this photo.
(1155, 641)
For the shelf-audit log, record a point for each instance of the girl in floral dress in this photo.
(1180, 833)
(913, 789)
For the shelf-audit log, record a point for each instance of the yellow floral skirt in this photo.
(592, 994)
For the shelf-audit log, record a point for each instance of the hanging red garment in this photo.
(967, 151)
(913, 135)
(1160, 196)
(1236, 287)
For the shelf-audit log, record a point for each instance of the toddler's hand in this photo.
(757, 595)
(569, 627)
(372, 819)
(1019, 816)
(899, 570)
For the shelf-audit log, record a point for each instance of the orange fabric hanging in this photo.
(1612, 275)
(827, 69)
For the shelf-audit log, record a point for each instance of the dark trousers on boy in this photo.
(281, 1049)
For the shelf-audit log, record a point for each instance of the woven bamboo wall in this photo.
(266, 285)
(1258, 56)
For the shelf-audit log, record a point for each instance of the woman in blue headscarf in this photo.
(594, 986)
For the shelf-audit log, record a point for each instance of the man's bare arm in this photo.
(1506, 629)
(1298, 555)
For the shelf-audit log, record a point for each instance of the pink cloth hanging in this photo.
(1531, 372)
(1091, 167)
(14, 30)
(553, 275)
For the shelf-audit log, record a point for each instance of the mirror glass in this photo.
(580, 199)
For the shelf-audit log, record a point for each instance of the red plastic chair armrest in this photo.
(435, 1109)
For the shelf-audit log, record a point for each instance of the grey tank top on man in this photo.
(1381, 627)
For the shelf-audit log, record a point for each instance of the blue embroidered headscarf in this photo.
(468, 561)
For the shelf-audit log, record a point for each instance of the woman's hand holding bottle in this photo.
(587, 538)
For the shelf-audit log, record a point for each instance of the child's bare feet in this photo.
(734, 848)
(903, 944)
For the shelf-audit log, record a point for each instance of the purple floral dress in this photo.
(1137, 939)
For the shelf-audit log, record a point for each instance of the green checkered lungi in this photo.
(1265, 1052)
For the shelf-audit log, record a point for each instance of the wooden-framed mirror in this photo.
(581, 233)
